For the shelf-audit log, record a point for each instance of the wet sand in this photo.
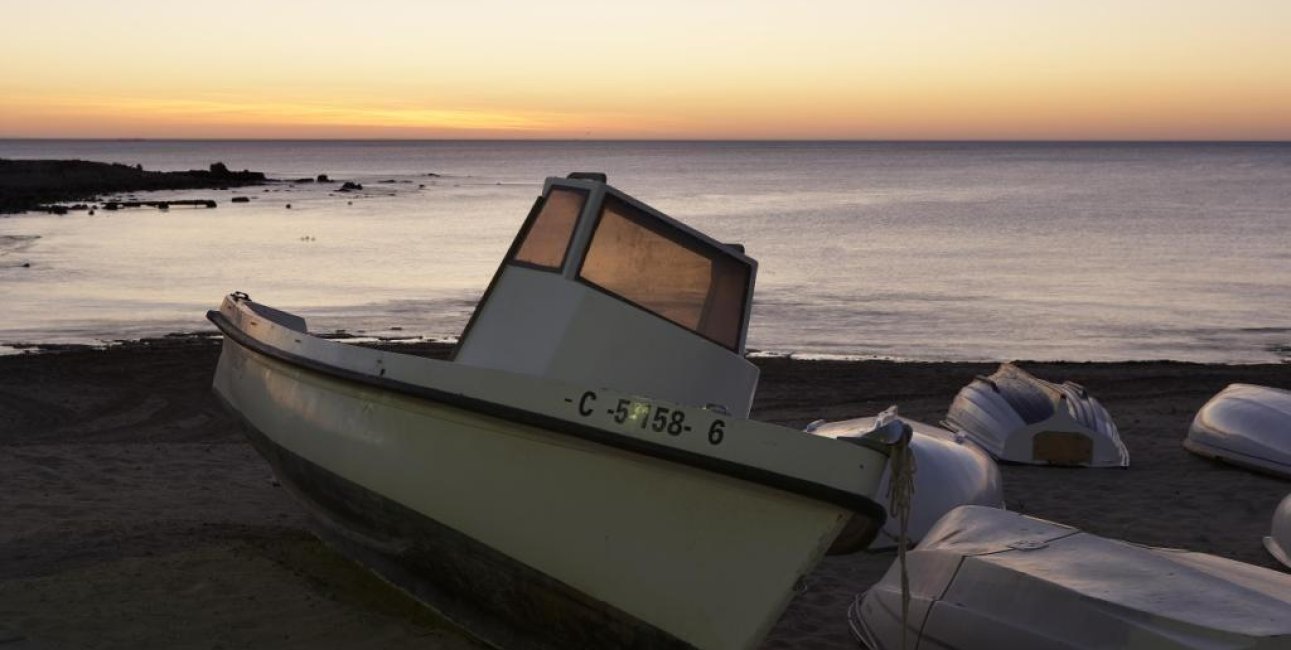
(134, 515)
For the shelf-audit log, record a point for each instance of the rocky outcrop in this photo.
(219, 171)
(28, 184)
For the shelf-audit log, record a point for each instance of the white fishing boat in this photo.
(1279, 540)
(583, 472)
(1019, 418)
(985, 578)
(1245, 425)
(949, 472)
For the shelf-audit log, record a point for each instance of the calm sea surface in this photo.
(921, 251)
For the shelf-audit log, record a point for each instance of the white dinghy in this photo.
(1245, 425)
(986, 579)
(1019, 418)
(1279, 540)
(583, 473)
(949, 472)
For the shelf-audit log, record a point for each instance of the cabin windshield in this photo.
(668, 272)
(546, 242)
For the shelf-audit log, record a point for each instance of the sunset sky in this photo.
(922, 69)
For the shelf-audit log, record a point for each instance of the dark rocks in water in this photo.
(388, 180)
(347, 186)
(29, 184)
(288, 206)
(241, 199)
(433, 175)
(160, 205)
(220, 171)
(421, 186)
(26, 265)
(322, 178)
(303, 180)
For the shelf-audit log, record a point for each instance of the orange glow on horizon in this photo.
(1001, 69)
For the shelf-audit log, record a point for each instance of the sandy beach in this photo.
(135, 515)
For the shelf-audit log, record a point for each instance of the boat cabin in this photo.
(601, 289)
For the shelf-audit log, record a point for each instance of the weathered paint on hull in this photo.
(543, 540)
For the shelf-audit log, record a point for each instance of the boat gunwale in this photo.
(801, 487)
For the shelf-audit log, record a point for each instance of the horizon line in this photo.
(680, 140)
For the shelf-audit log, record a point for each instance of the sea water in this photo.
(923, 251)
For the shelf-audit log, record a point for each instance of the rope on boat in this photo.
(900, 501)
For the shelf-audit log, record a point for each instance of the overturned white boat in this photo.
(1279, 540)
(1019, 418)
(1245, 425)
(583, 472)
(986, 578)
(949, 472)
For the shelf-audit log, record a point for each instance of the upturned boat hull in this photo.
(985, 579)
(521, 531)
(949, 472)
(1018, 418)
(1245, 425)
(1278, 541)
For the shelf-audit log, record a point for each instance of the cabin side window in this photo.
(546, 241)
(667, 272)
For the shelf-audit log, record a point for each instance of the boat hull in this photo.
(524, 537)
(950, 472)
(1245, 425)
(450, 571)
(1278, 542)
(1018, 418)
(985, 578)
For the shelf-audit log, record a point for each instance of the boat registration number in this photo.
(641, 415)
